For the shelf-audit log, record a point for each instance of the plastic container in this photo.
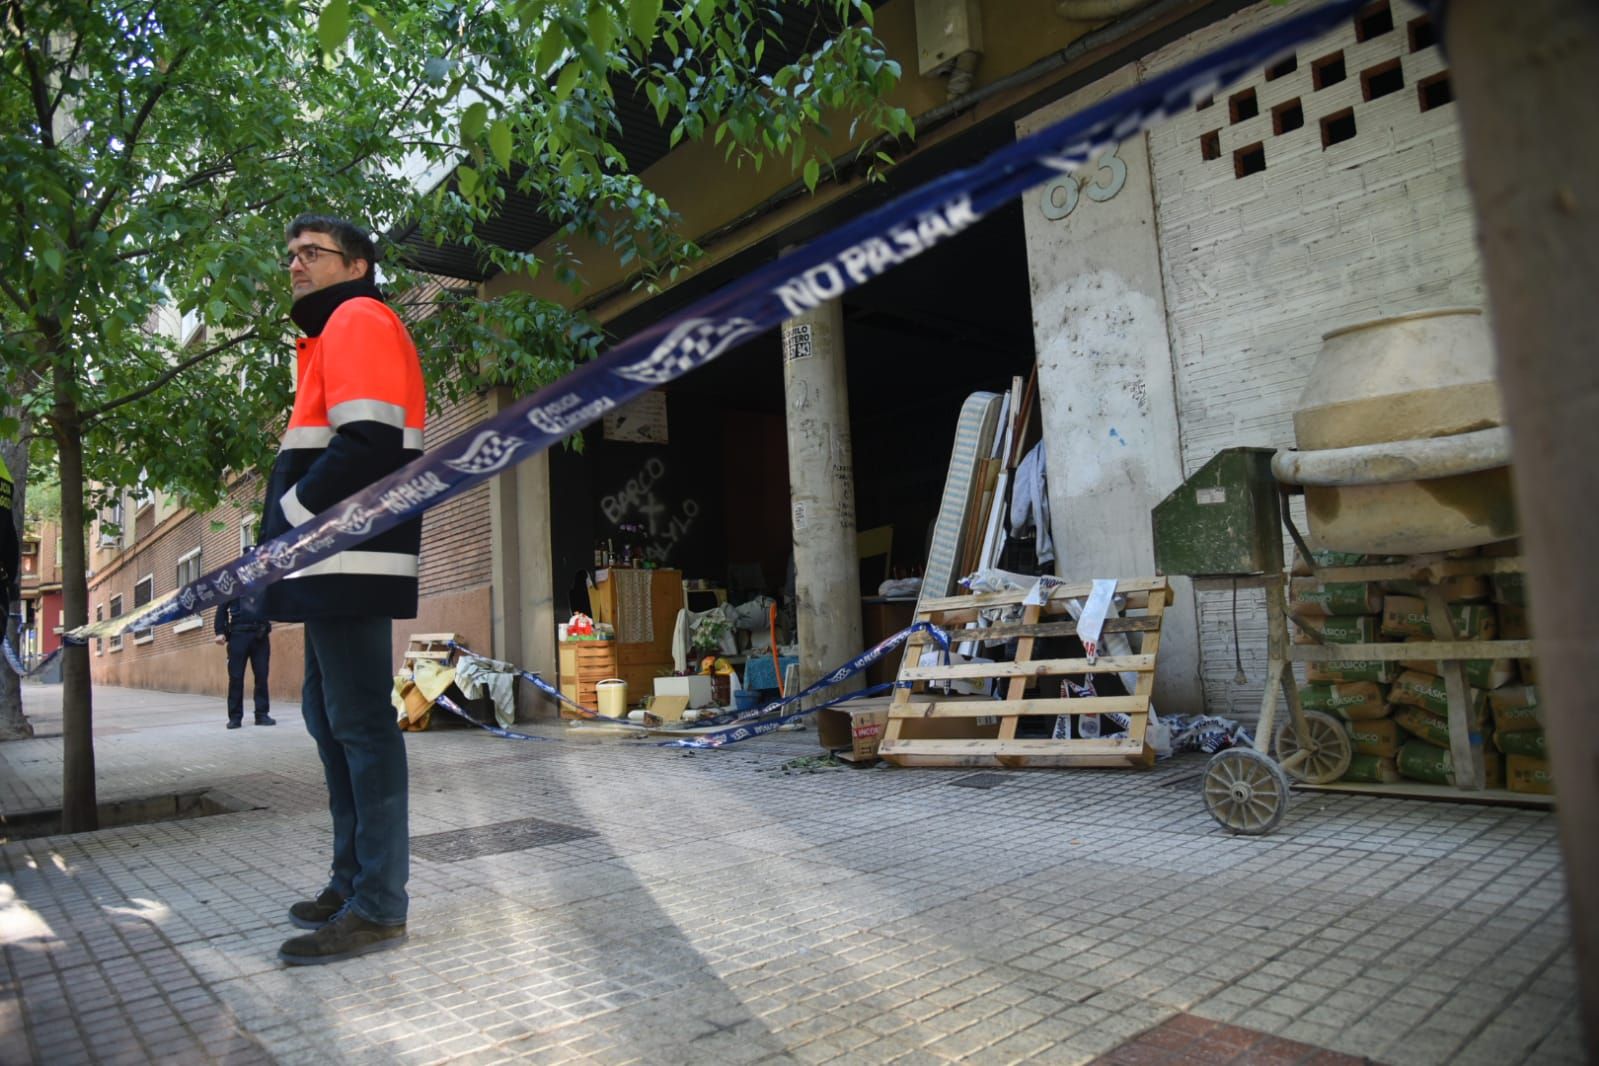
(611, 695)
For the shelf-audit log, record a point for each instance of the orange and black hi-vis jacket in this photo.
(358, 410)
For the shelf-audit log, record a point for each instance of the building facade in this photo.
(1172, 297)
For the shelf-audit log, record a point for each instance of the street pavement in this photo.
(610, 901)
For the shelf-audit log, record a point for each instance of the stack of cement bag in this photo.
(1397, 713)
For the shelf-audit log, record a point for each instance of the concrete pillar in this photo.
(821, 477)
(1105, 378)
(522, 614)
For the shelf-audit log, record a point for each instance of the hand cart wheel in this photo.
(1246, 791)
(1319, 757)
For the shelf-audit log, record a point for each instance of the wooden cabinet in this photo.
(582, 665)
(881, 618)
(643, 606)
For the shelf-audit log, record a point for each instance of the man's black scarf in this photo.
(312, 311)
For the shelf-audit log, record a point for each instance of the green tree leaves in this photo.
(148, 163)
(333, 26)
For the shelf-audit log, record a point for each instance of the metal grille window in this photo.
(115, 643)
(143, 593)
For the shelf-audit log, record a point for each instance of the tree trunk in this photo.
(14, 724)
(1524, 79)
(79, 812)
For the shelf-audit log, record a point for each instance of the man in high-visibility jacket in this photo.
(358, 411)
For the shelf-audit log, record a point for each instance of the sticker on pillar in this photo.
(801, 519)
(797, 342)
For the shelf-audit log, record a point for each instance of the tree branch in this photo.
(15, 297)
(66, 71)
(132, 143)
(39, 86)
(161, 380)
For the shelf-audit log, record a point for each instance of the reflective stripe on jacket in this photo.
(358, 415)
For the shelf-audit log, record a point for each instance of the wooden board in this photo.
(1499, 797)
(930, 728)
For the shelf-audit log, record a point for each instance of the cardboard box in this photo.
(697, 687)
(853, 733)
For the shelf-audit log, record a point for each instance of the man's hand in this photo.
(220, 639)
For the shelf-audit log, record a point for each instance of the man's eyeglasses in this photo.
(307, 254)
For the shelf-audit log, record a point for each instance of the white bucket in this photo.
(611, 694)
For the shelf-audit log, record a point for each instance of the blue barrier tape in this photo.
(746, 724)
(499, 731)
(837, 676)
(820, 271)
(15, 661)
(735, 733)
(502, 667)
(854, 666)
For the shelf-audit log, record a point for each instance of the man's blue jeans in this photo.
(345, 702)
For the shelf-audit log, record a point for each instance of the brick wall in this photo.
(456, 536)
(454, 584)
(178, 657)
(1359, 211)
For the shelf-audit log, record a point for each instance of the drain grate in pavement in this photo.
(979, 780)
(456, 845)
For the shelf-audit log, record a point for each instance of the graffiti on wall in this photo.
(642, 500)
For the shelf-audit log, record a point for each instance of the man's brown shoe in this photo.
(345, 937)
(315, 913)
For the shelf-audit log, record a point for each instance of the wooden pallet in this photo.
(928, 728)
(434, 646)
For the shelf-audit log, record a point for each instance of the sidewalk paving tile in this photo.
(661, 906)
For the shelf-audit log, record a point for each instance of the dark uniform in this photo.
(244, 624)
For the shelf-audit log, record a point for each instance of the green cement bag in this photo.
(1309, 597)
(1528, 742)
(1371, 769)
(1423, 724)
(1356, 701)
(1343, 670)
(1338, 629)
(1515, 708)
(1379, 736)
(1421, 761)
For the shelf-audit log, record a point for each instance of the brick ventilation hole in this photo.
(1328, 70)
(1423, 34)
(1288, 116)
(1242, 106)
(1338, 127)
(1381, 80)
(1435, 91)
(1206, 102)
(1285, 67)
(1249, 160)
(1210, 145)
(1374, 20)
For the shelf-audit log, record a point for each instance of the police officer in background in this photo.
(242, 625)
